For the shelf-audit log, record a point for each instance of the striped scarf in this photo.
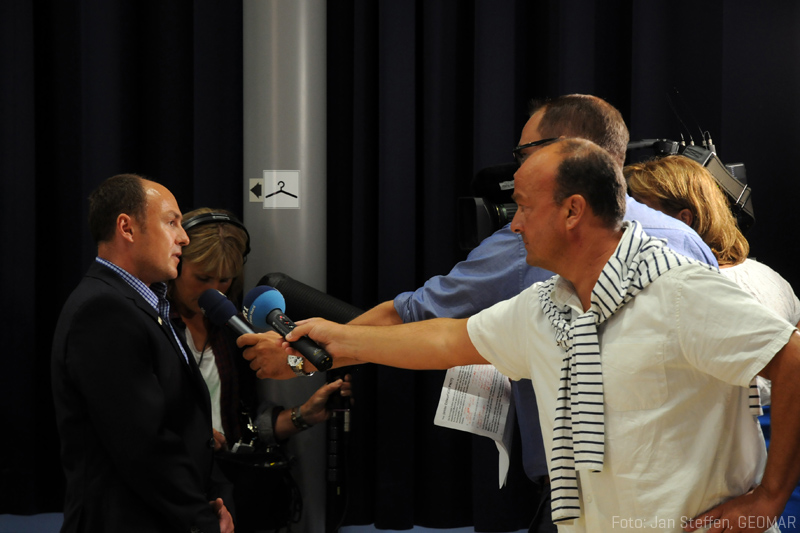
(578, 433)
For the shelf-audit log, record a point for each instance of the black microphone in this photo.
(221, 312)
(266, 310)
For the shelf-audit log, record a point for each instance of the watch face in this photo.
(297, 363)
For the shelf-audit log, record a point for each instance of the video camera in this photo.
(491, 207)
(732, 179)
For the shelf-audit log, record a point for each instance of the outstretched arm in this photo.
(430, 344)
(268, 360)
(383, 314)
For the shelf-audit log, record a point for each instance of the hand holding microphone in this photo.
(263, 307)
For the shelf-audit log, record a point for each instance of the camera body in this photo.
(491, 207)
(732, 179)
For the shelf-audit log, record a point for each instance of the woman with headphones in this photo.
(213, 259)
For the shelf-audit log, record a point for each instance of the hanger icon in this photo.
(281, 184)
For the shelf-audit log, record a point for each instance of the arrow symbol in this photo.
(256, 190)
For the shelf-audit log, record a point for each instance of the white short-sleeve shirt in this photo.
(774, 292)
(677, 361)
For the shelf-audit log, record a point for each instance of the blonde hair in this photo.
(676, 183)
(218, 248)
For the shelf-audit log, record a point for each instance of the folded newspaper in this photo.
(477, 399)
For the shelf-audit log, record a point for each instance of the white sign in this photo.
(281, 189)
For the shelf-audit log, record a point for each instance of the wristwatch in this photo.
(298, 420)
(296, 363)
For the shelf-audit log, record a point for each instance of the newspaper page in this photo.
(477, 399)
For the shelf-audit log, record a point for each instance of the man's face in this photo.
(192, 283)
(159, 240)
(539, 220)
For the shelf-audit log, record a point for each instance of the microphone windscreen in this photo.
(254, 293)
(268, 300)
(216, 306)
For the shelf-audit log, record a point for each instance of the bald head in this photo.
(587, 170)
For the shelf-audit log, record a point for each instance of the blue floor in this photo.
(40, 523)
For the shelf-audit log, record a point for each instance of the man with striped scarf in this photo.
(640, 358)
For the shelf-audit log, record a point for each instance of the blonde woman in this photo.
(685, 190)
(213, 259)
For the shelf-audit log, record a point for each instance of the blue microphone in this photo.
(264, 307)
(274, 300)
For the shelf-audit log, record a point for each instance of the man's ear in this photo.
(125, 224)
(576, 207)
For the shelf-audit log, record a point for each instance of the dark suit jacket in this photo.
(133, 416)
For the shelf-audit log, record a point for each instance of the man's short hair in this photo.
(591, 172)
(123, 193)
(586, 117)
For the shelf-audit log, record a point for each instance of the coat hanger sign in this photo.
(281, 189)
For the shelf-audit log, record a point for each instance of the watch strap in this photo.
(297, 419)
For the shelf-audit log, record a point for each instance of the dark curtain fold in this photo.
(421, 95)
(92, 89)
(22, 361)
(413, 92)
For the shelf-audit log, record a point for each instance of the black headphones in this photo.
(216, 217)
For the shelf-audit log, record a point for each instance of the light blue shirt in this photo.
(496, 270)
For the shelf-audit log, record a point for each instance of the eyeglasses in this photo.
(520, 157)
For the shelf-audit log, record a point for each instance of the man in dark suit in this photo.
(132, 410)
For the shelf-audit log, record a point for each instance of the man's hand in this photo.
(319, 330)
(266, 355)
(225, 518)
(315, 409)
(220, 443)
(753, 512)
(329, 336)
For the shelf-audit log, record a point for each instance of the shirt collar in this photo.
(151, 294)
(564, 295)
